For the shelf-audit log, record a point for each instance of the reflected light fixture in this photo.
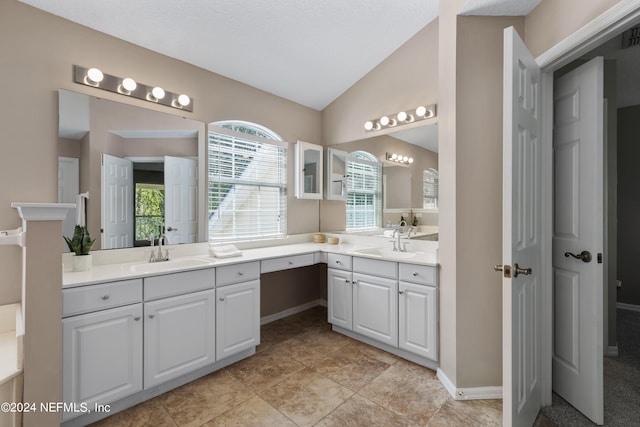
(401, 118)
(399, 158)
(129, 87)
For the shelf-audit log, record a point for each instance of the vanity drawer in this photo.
(375, 267)
(339, 261)
(236, 273)
(85, 299)
(286, 262)
(421, 274)
(178, 283)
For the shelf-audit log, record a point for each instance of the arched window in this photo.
(247, 181)
(430, 189)
(364, 191)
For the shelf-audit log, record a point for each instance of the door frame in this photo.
(624, 14)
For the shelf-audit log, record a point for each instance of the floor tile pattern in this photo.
(304, 374)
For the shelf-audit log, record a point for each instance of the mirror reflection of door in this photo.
(68, 189)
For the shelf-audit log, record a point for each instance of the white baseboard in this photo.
(625, 306)
(611, 351)
(472, 393)
(291, 311)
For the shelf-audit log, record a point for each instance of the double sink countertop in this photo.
(122, 264)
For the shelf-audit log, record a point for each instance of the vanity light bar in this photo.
(129, 87)
(399, 158)
(401, 118)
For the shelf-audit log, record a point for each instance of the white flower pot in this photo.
(81, 262)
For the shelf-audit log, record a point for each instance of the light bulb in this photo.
(368, 125)
(129, 84)
(384, 120)
(421, 111)
(157, 92)
(184, 100)
(410, 159)
(94, 75)
(394, 156)
(402, 116)
(405, 159)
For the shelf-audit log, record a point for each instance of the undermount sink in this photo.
(174, 264)
(386, 253)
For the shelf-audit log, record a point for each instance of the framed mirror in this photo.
(142, 170)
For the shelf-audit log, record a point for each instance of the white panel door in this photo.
(179, 336)
(237, 318)
(180, 188)
(340, 298)
(102, 356)
(521, 233)
(117, 202)
(375, 308)
(578, 229)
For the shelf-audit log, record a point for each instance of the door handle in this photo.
(171, 229)
(518, 270)
(584, 256)
(504, 268)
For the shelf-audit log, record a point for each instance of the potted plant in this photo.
(80, 244)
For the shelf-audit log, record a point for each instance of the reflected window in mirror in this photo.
(247, 179)
(149, 210)
(430, 189)
(364, 191)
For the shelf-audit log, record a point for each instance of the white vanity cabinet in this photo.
(340, 298)
(102, 348)
(308, 173)
(418, 317)
(179, 330)
(375, 299)
(335, 186)
(237, 308)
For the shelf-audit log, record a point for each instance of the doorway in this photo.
(620, 96)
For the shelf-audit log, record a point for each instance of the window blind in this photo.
(247, 187)
(430, 189)
(364, 189)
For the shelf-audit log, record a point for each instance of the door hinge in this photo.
(599, 257)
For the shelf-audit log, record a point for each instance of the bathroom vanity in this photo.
(134, 330)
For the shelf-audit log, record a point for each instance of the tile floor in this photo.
(304, 374)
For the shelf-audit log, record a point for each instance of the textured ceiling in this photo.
(307, 51)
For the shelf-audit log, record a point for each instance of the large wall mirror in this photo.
(141, 169)
(405, 187)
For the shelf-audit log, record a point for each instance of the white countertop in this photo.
(106, 272)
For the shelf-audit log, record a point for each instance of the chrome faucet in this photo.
(410, 232)
(160, 256)
(400, 246)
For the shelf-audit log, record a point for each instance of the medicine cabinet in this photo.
(309, 179)
(335, 175)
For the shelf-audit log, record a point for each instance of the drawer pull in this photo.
(338, 262)
(355, 282)
(415, 273)
(105, 297)
(240, 273)
(151, 316)
(137, 318)
(221, 298)
(401, 292)
(346, 280)
(290, 262)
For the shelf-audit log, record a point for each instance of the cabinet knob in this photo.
(355, 282)
(415, 273)
(221, 298)
(105, 297)
(290, 262)
(137, 318)
(346, 280)
(401, 292)
(152, 315)
(338, 262)
(240, 273)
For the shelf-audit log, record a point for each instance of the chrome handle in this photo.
(240, 273)
(221, 298)
(290, 262)
(136, 318)
(523, 271)
(355, 282)
(584, 256)
(151, 316)
(504, 268)
(105, 297)
(346, 280)
(415, 273)
(401, 292)
(338, 262)
(171, 229)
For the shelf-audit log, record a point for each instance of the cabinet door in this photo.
(308, 170)
(340, 298)
(179, 336)
(335, 175)
(102, 356)
(237, 318)
(418, 319)
(375, 308)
